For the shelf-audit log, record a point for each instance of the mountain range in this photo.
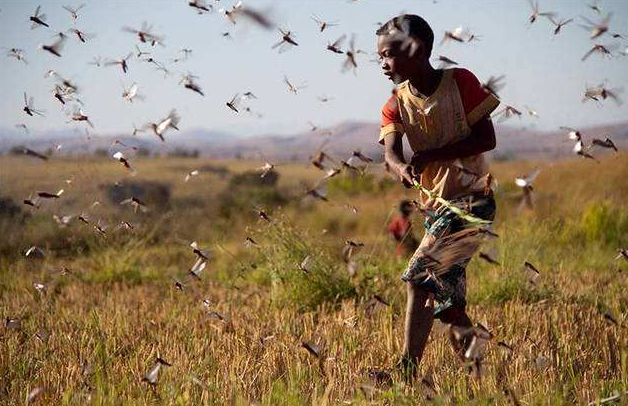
(512, 142)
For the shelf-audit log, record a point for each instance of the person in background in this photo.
(400, 228)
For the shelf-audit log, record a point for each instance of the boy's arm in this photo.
(481, 139)
(393, 154)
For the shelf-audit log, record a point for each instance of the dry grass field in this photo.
(109, 305)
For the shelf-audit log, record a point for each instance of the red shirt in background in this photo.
(401, 229)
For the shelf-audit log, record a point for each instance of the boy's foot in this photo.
(407, 367)
(380, 378)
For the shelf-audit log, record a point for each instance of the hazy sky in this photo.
(542, 71)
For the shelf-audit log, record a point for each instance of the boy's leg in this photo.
(419, 320)
(419, 315)
(457, 317)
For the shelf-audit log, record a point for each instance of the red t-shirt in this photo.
(401, 229)
(472, 95)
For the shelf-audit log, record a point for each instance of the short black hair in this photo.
(410, 25)
(405, 203)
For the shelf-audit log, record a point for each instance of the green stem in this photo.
(468, 217)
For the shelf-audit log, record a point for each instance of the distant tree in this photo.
(143, 152)
(219, 170)
(17, 150)
(11, 211)
(248, 189)
(253, 178)
(184, 153)
(101, 152)
(503, 156)
(156, 195)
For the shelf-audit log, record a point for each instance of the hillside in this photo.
(513, 142)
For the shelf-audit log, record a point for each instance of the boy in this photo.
(400, 228)
(445, 114)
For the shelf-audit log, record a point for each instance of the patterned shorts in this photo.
(451, 290)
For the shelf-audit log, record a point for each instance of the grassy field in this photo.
(235, 336)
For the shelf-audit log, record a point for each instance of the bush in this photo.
(17, 150)
(120, 261)
(603, 223)
(143, 152)
(505, 288)
(216, 169)
(247, 190)
(101, 152)
(282, 249)
(155, 195)
(253, 178)
(180, 152)
(351, 184)
(11, 211)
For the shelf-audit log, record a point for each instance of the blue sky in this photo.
(542, 71)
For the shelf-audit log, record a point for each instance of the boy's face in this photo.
(397, 63)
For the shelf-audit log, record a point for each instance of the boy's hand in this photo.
(420, 160)
(406, 175)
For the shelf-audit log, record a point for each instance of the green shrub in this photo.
(281, 250)
(242, 200)
(124, 264)
(603, 223)
(507, 288)
(247, 190)
(337, 224)
(156, 195)
(351, 184)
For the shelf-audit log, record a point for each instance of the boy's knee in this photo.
(416, 290)
(447, 316)
(420, 295)
(455, 315)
